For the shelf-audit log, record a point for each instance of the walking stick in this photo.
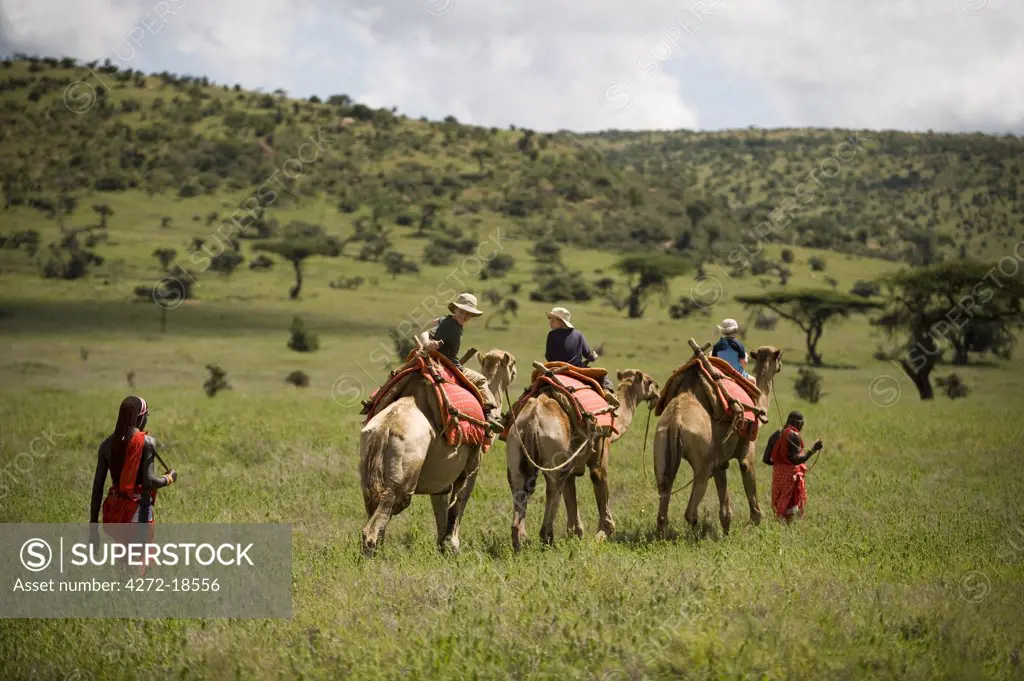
(166, 468)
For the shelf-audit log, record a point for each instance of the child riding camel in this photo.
(567, 344)
(446, 338)
(729, 348)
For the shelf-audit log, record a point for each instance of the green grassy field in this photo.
(909, 564)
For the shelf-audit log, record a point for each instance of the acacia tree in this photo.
(949, 303)
(810, 310)
(105, 212)
(166, 256)
(480, 154)
(296, 249)
(647, 274)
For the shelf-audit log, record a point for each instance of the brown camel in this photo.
(543, 432)
(687, 431)
(401, 454)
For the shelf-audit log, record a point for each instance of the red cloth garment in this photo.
(124, 498)
(122, 506)
(788, 486)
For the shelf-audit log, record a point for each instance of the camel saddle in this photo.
(457, 406)
(577, 390)
(734, 397)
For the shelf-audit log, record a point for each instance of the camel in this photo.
(402, 454)
(687, 431)
(542, 430)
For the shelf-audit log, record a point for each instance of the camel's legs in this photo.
(553, 488)
(750, 485)
(520, 499)
(439, 502)
(460, 499)
(373, 532)
(599, 478)
(574, 524)
(700, 485)
(522, 483)
(724, 502)
(666, 466)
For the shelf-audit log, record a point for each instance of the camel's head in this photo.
(498, 362)
(640, 385)
(767, 362)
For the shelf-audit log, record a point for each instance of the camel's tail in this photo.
(672, 447)
(371, 465)
(680, 453)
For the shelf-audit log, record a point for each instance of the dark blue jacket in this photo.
(569, 346)
(731, 350)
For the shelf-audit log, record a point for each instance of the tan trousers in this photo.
(480, 381)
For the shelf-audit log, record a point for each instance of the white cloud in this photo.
(59, 28)
(912, 64)
(549, 64)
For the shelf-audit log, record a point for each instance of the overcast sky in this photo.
(948, 65)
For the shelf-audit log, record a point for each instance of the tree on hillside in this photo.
(397, 263)
(296, 249)
(104, 212)
(922, 249)
(166, 256)
(427, 214)
(547, 250)
(647, 274)
(954, 302)
(697, 211)
(66, 204)
(226, 262)
(480, 154)
(810, 310)
(498, 266)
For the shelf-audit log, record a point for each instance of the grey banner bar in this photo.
(196, 570)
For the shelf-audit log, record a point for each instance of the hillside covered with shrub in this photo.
(73, 133)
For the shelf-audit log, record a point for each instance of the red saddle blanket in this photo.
(584, 392)
(731, 386)
(458, 400)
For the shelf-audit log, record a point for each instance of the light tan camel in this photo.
(687, 431)
(402, 454)
(543, 431)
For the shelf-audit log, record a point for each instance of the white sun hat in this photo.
(728, 327)
(563, 314)
(465, 302)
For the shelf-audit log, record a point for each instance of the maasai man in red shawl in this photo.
(128, 454)
(784, 455)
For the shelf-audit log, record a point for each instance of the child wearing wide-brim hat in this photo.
(446, 338)
(729, 348)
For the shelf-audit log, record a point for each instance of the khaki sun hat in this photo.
(465, 302)
(561, 313)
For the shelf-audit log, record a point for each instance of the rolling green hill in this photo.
(93, 133)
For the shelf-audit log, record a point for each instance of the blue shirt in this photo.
(731, 350)
(567, 345)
